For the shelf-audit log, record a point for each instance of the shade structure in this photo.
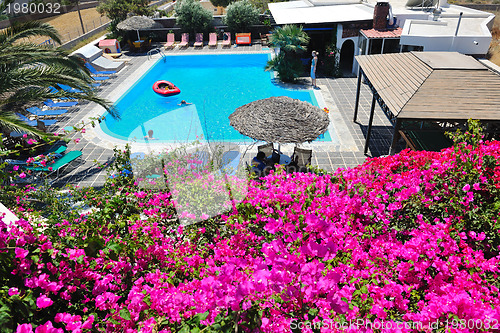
(138, 23)
(280, 120)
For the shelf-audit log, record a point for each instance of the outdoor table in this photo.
(284, 159)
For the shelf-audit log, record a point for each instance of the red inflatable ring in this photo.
(165, 88)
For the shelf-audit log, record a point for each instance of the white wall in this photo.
(462, 44)
(341, 41)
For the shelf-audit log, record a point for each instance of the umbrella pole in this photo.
(138, 37)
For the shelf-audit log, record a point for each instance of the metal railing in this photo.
(157, 50)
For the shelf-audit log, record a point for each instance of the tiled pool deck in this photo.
(337, 93)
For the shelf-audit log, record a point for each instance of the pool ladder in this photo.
(159, 51)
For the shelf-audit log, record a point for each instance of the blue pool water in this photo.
(215, 85)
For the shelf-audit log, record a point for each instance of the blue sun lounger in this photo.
(47, 113)
(34, 122)
(100, 78)
(70, 89)
(51, 104)
(96, 72)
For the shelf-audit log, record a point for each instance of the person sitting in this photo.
(259, 162)
(183, 102)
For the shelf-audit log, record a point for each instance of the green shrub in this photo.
(192, 17)
(292, 41)
(241, 15)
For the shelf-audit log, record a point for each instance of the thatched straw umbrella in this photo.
(280, 120)
(138, 23)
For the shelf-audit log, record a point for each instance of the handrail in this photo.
(150, 53)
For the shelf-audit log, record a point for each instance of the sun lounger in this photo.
(100, 78)
(184, 40)
(170, 41)
(199, 40)
(51, 104)
(226, 39)
(96, 72)
(58, 164)
(46, 113)
(92, 54)
(212, 39)
(34, 123)
(75, 90)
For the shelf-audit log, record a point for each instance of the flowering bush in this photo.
(412, 238)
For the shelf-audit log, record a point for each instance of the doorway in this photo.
(347, 56)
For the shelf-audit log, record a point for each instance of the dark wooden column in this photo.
(370, 122)
(395, 136)
(358, 89)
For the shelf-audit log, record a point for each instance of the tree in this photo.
(221, 3)
(28, 71)
(117, 10)
(192, 17)
(291, 41)
(241, 15)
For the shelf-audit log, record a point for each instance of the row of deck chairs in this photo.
(59, 159)
(184, 42)
(48, 114)
(54, 109)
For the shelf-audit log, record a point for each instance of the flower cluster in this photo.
(408, 238)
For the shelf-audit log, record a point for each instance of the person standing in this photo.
(314, 62)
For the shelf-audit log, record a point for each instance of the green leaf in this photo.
(203, 316)
(184, 329)
(125, 314)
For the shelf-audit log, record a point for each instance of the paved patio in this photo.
(338, 94)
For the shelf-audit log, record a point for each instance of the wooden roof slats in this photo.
(413, 90)
(395, 80)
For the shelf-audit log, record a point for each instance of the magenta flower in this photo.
(22, 175)
(48, 328)
(24, 328)
(13, 291)
(43, 302)
(21, 253)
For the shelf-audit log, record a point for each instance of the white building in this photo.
(439, 27)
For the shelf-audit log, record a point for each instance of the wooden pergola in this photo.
(417, 88)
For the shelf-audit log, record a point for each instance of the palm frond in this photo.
(11, 122)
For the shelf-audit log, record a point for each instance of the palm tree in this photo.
(291, 40)
(28, 71)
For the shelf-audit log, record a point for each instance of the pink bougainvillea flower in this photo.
(24, 328)
(44, 302)
(16, 167)
(22, 175)
(13, 291)
(48, 328)
(21, 253)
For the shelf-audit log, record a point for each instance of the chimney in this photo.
(380, 15)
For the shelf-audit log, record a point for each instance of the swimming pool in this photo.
(215, 85)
